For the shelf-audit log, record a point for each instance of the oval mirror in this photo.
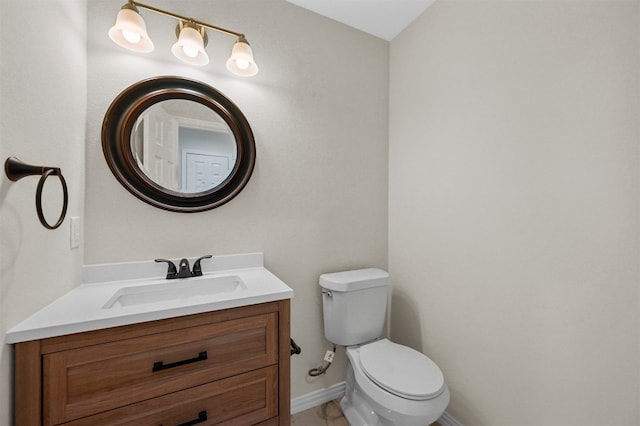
(178, 144)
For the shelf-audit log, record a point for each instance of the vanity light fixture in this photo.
(191, 43)
(130, 32)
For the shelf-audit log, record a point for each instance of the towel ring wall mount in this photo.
(16, 170)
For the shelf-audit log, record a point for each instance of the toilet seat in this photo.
(401, 370)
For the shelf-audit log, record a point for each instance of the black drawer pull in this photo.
(202, 417)
(159, 365)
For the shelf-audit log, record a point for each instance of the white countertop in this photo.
(83, 308)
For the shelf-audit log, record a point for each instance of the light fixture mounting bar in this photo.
(184, 18)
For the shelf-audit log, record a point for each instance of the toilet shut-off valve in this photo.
(328, 357)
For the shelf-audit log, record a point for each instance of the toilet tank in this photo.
(354, 305)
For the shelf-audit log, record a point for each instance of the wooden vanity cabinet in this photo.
(228, 367)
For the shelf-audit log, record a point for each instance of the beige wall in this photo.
(514, 207)
(42, 121)
(317, 200)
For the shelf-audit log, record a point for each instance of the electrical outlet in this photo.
(75, 232)
(329, 356)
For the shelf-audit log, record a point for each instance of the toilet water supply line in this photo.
(328, 357)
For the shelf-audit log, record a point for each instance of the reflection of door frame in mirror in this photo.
(118, 125)
(196, 123)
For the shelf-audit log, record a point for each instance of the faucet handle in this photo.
(172, 272)
(197, 269)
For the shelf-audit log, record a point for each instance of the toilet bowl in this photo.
(387, 384)
(390, 384)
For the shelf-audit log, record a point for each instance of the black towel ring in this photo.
(16, 170)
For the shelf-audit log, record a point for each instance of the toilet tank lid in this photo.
(354, 280)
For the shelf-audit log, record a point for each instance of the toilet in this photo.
(386, 383)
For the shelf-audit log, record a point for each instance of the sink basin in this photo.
(176, 290)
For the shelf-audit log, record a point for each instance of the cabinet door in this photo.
(93, 379)
(245, 399)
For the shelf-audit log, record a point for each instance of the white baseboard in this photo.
(320, 396)
(447, 420)
(316, 398)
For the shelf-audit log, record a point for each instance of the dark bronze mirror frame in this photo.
(119, 122)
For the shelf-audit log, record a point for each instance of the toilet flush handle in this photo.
(327, 292)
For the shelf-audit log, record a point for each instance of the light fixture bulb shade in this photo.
(190, 47)
(130, 32)
(241, 61)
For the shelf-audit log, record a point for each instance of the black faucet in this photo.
(183, 271)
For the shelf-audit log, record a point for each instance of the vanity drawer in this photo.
(94, 379)
(245, 399)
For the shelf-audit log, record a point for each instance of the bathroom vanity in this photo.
(210, 358)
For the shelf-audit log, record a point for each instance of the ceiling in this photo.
(382, 18)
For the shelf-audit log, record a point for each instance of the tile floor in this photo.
(328, 414)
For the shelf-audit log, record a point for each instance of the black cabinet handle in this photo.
(202, 417)
(159, 365)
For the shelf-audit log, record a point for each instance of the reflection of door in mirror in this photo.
(208, 154)
(204, 171)
(160, 155)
